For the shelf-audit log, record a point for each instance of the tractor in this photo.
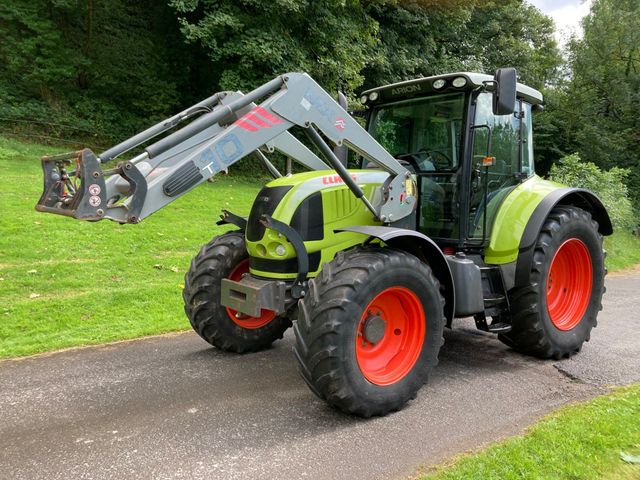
(425, 210)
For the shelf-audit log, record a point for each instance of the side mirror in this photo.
(504, 95)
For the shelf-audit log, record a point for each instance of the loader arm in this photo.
(232, 126)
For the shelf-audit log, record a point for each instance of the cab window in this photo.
(426, 134)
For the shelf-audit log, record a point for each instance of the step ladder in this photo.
(496, 302)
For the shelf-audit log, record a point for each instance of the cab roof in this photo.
(424, 85)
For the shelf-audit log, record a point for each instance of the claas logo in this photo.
(335, 179)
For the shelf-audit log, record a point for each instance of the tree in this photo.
(110, 67)
(604, 93)
(113, 67)
(414, 40)
(425, 37)
(511, 33)
(252, 41)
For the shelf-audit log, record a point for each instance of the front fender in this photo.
(422, 247)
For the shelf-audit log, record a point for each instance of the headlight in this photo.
(439, 84)
(363, 99)
(373, 96)
(459, 82)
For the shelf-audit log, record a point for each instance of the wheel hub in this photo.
(373, 328)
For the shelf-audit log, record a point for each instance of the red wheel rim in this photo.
(389, 358)
(569, 284)
(240, 319)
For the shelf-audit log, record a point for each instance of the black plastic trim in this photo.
(229, 218)
(422, 247)
(302, 257)
(265, 204)
(185, 177)
(308, 219)
(289, 265)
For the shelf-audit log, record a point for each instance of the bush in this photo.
(609, 185)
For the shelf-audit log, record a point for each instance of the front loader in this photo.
(444, 218)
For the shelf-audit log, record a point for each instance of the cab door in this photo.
(508, 139)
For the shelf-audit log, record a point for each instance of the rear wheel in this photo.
(369, 330)
(225, 256)
(553, 315)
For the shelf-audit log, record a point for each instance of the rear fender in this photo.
(422, 247)
(563, 196)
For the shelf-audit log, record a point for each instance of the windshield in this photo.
(426, 132)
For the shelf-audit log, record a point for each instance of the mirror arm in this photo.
(488, 83)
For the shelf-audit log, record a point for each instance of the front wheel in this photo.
(369, 330)
(226, 256)
(554, 313)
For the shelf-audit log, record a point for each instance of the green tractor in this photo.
(429, 213)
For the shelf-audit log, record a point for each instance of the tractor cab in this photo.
(468, 140)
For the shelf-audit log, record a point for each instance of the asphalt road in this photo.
(171, 407)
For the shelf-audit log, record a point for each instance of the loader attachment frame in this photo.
(230, 127)
(81, 194)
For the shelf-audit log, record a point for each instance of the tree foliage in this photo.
(112, 67)
(105, 66)
(252, 41)
(602, 104)
(593, 106)
(349, 43)
(609, 185)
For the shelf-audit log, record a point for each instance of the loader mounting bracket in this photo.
(137, 186)
(229, 218)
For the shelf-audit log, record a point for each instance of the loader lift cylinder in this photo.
(207, 104)
(341, 170)
(212, 118)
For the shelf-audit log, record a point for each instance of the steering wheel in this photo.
(441, 160)
(409, 159)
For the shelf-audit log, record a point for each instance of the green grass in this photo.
(623, 250)
(65, 283)
(579, 442)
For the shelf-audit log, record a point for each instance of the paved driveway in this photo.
(171, 407)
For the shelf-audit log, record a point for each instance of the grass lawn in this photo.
(623, 250)
(65, 283)
(579, 442)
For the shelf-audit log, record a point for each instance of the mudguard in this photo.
(525, 208)
(421, 246)
(578, 197)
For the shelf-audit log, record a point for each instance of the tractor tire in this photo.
(552, 316)
(369, 330)
(225, 256)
